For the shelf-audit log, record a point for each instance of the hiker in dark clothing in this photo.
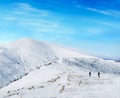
(89, 74)
(99, 74)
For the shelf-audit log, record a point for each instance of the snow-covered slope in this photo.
(19, 58)
(92, 63)
(62, 81)
(64, 52)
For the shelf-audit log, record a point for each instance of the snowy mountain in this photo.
(39, 68)
(91, 63)
(19, 58)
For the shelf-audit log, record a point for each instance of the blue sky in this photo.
(91, 26)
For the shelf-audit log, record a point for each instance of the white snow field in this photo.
(33, 69)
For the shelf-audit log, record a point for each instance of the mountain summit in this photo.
(20, 57)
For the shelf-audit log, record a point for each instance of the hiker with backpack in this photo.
(98, 74)
(89, 74)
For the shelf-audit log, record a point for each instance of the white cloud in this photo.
(110, 24)
(25, 7)
(110, 12)
(34, 22)
(106, 12)
(40, 25)
(98, 11)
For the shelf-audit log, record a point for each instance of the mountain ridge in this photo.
(20, 57)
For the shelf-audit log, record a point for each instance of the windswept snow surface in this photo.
(36, 69)
(19, 58)
(63, 81)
